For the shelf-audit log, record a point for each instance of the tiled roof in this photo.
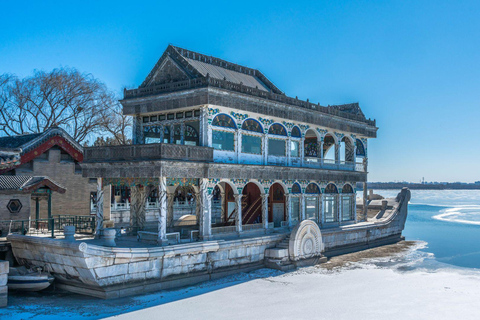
(226, 74)
(9, 158)
(15, 142)
(198, 65)
(27, 142)
(28, 183)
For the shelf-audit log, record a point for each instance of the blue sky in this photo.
(413, 65)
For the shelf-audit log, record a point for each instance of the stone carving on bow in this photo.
(305, 241)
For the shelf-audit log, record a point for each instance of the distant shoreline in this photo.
(419, 186)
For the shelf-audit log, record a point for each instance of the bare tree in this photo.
(117, 125)
(77, 102)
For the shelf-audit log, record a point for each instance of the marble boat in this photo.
(88, 267)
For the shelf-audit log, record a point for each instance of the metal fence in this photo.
(53, 226)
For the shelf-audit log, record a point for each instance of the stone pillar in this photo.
(182, 133)
(238, 210)
(137, 132)
(139, 196)
(170, 199)
(99, 208)
(205, 222)
(302, 151)
(289, 151)
(321, 151)
(107, 206)
(162, 133)
(288, 209)
(265, 210)
(172, 133)
(337, 153)
(265, 148)
(161, 212)
(222, 205)
(302, 208)
(365, 202)
(320, 208)
(337, 202)
(238, 145)
(203, 126)
(340, 207)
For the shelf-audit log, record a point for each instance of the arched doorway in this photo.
(184, 208)
(251, 204)
(329, 148)
(311, 147)
(347, 150)
(276, 205)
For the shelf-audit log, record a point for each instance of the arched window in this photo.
(252, 125)
(296, 188)
(191, 136)
(222, 120)
(360, 148)
(312, 188)
(348, 211)
(347, 189)
(277, 129)
(296, 132)
(152, 134)
(331, 188)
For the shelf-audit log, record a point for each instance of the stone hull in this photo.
(115, 272)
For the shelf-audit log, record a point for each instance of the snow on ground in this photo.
(394, 287)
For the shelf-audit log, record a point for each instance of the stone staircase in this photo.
(277, 258)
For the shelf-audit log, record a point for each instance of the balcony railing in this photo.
(154, 151)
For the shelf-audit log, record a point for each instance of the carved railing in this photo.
(156, 151)
(224, 84)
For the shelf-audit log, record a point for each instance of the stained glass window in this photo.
(222, 120)
(277, 129)
(360, 148)
(331, 188)
(347, 189)
(311, 147)
(296, 132)
(191, 136)
(252, 125)
(312, 188)
(296, 188)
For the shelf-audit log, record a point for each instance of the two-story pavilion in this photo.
(226, 138)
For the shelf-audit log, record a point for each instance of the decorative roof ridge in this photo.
(50, 132)
(180, 56)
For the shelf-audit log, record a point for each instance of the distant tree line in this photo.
(66, 98)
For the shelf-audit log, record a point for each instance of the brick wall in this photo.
(76, 200)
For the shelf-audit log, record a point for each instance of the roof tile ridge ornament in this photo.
(49, 133)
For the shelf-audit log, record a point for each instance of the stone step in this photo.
(276, 253)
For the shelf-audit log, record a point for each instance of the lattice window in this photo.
(222, 120)
(252, 125)
(311, 147)
(277, 129)
(296, 132)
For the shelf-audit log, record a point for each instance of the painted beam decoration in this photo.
(182, 182)
(131, 182)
